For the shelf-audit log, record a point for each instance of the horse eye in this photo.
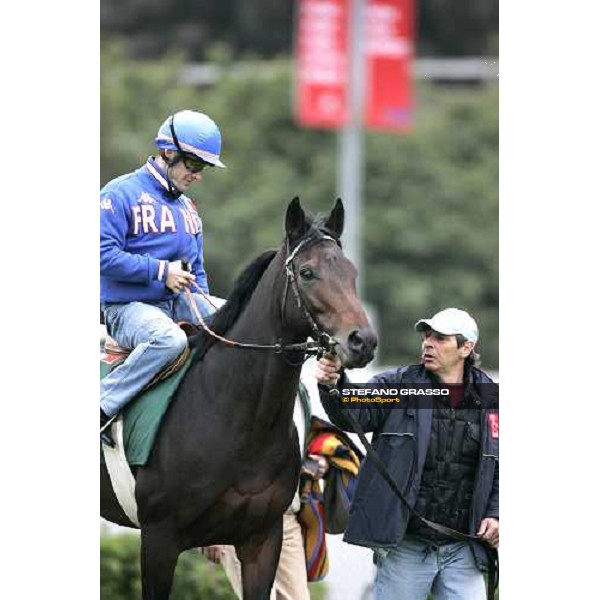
(307, 273)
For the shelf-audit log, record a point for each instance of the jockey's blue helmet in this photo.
(192, 133)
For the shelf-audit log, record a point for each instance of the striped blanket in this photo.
(327, 512)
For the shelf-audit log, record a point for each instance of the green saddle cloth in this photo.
(142, 416)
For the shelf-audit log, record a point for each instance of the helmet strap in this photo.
(173, 191)
(174, 134)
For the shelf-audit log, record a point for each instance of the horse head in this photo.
(324, 284)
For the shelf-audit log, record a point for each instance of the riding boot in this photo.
(105, 434)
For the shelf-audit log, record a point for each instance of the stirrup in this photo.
(105, 432)
(107, 438)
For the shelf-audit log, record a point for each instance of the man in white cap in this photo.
(449, 339)
(442, 454)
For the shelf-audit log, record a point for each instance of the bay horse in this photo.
(226, 460)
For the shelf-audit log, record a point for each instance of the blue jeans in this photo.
(416, 568)
(150, 330)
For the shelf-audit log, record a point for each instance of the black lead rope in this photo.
(492, 553)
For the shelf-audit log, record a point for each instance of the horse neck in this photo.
(262, 318)
(263, 378)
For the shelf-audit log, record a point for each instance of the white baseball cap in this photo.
(451, 321)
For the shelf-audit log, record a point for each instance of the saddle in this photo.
(142, 416)
(114, 355)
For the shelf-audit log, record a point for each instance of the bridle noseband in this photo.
(321, 344)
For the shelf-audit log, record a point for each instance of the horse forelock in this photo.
(324, 230)
(242, 291)
(316, 232)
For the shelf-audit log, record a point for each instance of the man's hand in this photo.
(489, 531)
(328, 369)
(178, 279)
(213, 553)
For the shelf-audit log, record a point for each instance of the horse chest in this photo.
(250, 509)
(238, 513)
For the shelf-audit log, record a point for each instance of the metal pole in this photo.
(350, 144)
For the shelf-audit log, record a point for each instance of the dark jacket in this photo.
(378, 519)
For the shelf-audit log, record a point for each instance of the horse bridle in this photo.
(325, 343)
(321, 344)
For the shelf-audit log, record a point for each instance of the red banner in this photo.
(389, 49)
(322, 63)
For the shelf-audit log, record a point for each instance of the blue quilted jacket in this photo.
(378, 519)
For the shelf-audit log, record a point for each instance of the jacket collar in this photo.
(159, 175)
(472, 375)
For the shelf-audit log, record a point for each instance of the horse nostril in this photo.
(361, 344)
(362, 341)
(356, 341)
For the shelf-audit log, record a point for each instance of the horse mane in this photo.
(227, 315)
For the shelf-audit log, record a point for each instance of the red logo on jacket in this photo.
(494, 425)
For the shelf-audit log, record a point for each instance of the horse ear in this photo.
(335, 222)
(295, 220)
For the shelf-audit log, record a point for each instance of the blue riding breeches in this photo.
(150, 330)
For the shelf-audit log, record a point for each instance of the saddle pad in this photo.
(142, 416)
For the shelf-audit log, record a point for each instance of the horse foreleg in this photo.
(160, 551)
(259, 557)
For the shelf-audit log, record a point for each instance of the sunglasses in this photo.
(194, 165)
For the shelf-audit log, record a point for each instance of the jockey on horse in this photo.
(151, 250)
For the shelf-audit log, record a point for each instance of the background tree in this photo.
(264, 28)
